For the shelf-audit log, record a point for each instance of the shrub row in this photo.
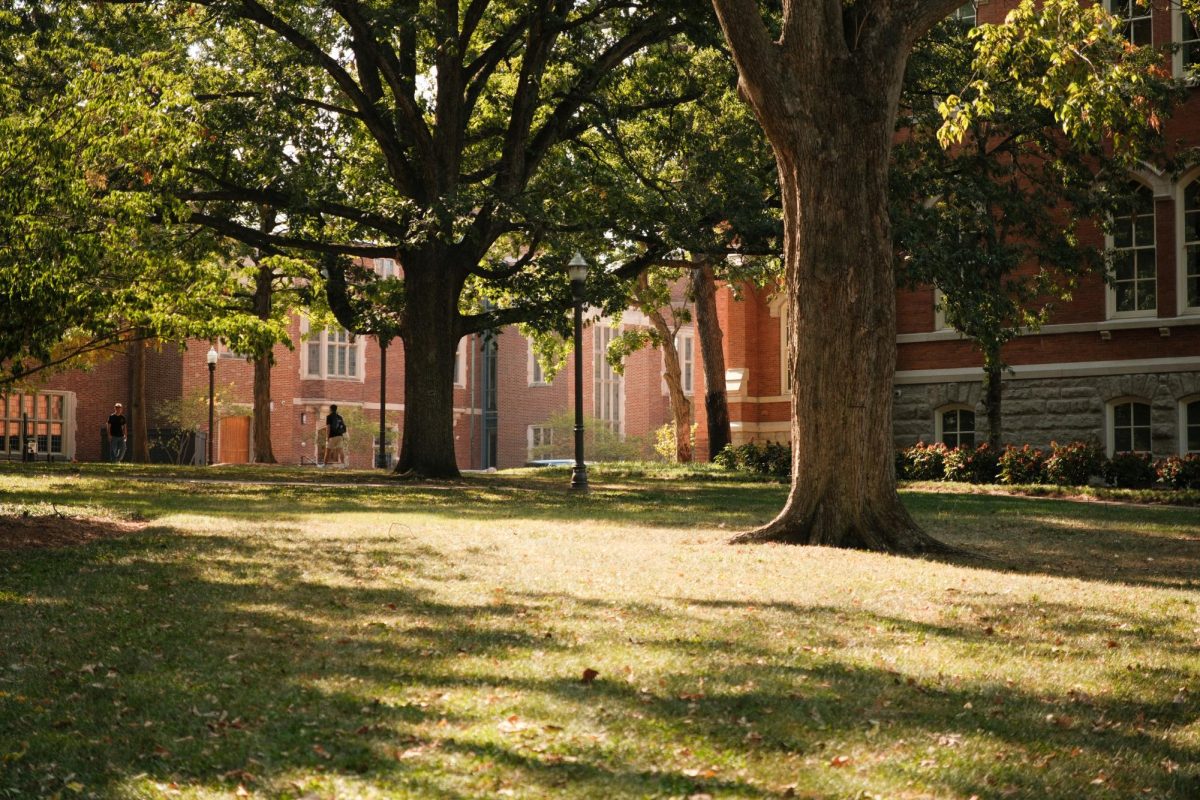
(1071, 464)
(762, 458)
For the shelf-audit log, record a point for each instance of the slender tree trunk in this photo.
(992, 398)
(681, 407)
(264, 288)
(830, 122)
(263, 454)
(708, 330)
(427, 444)
(138, 430)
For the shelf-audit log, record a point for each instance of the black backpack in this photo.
(338, 426)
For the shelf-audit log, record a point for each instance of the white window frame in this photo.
(1110, 291)
(460, 362)
(534, 374)
(1129, 19)
(321, 341)
(938, 427)
(386, 268)
(1181, 250)
(939, 310)
(958, 14)
(608, 386)
(785, 374)
(685, 347)
(1110, 429)
(531, 434)
(1184, 402)
(687, 362)
(1178, 18)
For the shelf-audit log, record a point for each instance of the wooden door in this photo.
(235, 440)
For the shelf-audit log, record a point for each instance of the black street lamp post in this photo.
(212, 376)
(577, 271)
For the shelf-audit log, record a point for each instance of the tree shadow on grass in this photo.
(655, 505)
(209, 661)
(1146, 545)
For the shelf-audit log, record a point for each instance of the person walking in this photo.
(116, 434)
(335, 433)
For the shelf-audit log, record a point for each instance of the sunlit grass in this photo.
(430, 641)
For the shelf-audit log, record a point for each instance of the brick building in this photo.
(64, 415)
(1118, 365)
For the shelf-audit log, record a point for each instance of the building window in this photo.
(606, 383)
(1190, 428)
(956, 427)
(44, 416)
(540, 440)
(1191, 246)
(535, 373)
(1134, 269)
(1129, 427)
(965, 15)
(1134, 16)
(460, 361)
(386, 268)
(334, 353)
(939, 310)
(1187, 34)
(785, 372)
(685, 346)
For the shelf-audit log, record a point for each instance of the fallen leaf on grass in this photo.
(321, 751)
(839, 761)
(513, 724)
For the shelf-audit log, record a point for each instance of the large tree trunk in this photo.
(427, 444)
(263, 453)
(708, 331)
(829, 117)
(681, 407)
(137, 429)
(992, 399)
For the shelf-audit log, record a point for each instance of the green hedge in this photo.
(1070, 464)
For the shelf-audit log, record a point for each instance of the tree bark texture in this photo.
(681, 407)
(263, 453)
(993, 401)
(708, 331)
(828, 110)
(427, 443)
(138, 430)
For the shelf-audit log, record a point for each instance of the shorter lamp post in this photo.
(577, 271)
(211, 358)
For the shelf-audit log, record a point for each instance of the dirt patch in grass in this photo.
(52, 531)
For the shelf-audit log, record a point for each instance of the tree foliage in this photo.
(1013, 138)
(88, 136)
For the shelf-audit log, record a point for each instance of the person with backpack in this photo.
(335, 433)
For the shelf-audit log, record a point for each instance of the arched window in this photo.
(1129, 426)
(1136, 18)
(956, 426)
(1134, 289)
(1190, 234)
(1189, 427)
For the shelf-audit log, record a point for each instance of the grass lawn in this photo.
(200, 639)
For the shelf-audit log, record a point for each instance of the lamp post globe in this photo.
(211, 358)
(577, 270)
